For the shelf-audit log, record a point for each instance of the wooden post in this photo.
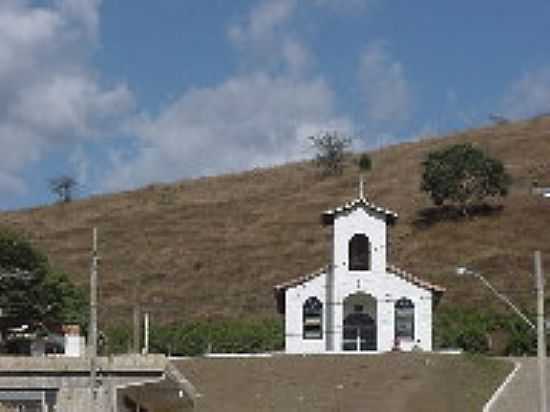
(541, 341)
(146, 333)
(137, 315)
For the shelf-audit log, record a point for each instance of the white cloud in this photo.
(298, 58)
(248, 121)
(83, 14)
(267, 41)
(258, 117)
(385, 89)
(48, 93)
(530, 95)
(263, 24)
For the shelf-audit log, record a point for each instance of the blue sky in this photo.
(123, 93)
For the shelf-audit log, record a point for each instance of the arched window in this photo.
(404, 319)
(313, 318)
(359, 252)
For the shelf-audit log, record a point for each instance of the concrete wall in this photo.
(70, 378)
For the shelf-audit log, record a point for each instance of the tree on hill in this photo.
(31, 292)
(462, 175)
(64, 187)
(331, 149)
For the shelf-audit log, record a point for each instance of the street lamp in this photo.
(464, 271)
(541, 342)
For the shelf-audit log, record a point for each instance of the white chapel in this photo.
(358, 302)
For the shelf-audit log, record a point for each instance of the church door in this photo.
(359, 331)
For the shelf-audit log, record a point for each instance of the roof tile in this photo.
(328, 216)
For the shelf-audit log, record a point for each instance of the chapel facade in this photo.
(358, 302)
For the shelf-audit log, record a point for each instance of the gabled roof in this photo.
(361, 202)
(300, 280)
(415, 280)
(409, 277)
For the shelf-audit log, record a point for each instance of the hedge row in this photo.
(474, 331)
(483, 331)
(199, 337)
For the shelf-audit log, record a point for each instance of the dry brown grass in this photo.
(216, 246)
(390, 382)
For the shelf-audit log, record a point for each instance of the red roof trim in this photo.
(409, 277)
(301, 279)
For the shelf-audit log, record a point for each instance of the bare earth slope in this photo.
(391, 382)
(216, 246)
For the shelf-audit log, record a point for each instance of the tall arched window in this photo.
(404, 319)
(359, 252)
(313, 318)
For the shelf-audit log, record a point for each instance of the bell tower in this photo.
(359, 248)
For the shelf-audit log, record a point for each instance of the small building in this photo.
(126, 383)
(358, 302)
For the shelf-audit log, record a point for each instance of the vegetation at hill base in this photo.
(472, 330)
(202, 336)
(483, 332)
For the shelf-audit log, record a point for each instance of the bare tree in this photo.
(331, 148)
(64, 187)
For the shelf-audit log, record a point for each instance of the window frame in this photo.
(404, 311)
(312, 319)
(356, 250)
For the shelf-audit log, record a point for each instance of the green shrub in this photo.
(365, 163)
(471, 329)
(242, 336)
(118, 339)
(219, 336)
(522, 340)
(463, 328)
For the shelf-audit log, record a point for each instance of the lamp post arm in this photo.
(505, 300)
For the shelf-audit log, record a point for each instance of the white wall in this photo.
(385, 287)
(359, 221)
(295, 299)
(75, 346)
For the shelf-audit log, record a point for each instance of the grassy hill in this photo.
(215, 246)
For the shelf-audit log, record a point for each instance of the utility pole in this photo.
(541, 342)
(92, 334)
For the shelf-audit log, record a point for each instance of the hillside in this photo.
(215, 246)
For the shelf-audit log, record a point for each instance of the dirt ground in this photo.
(351, 383)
